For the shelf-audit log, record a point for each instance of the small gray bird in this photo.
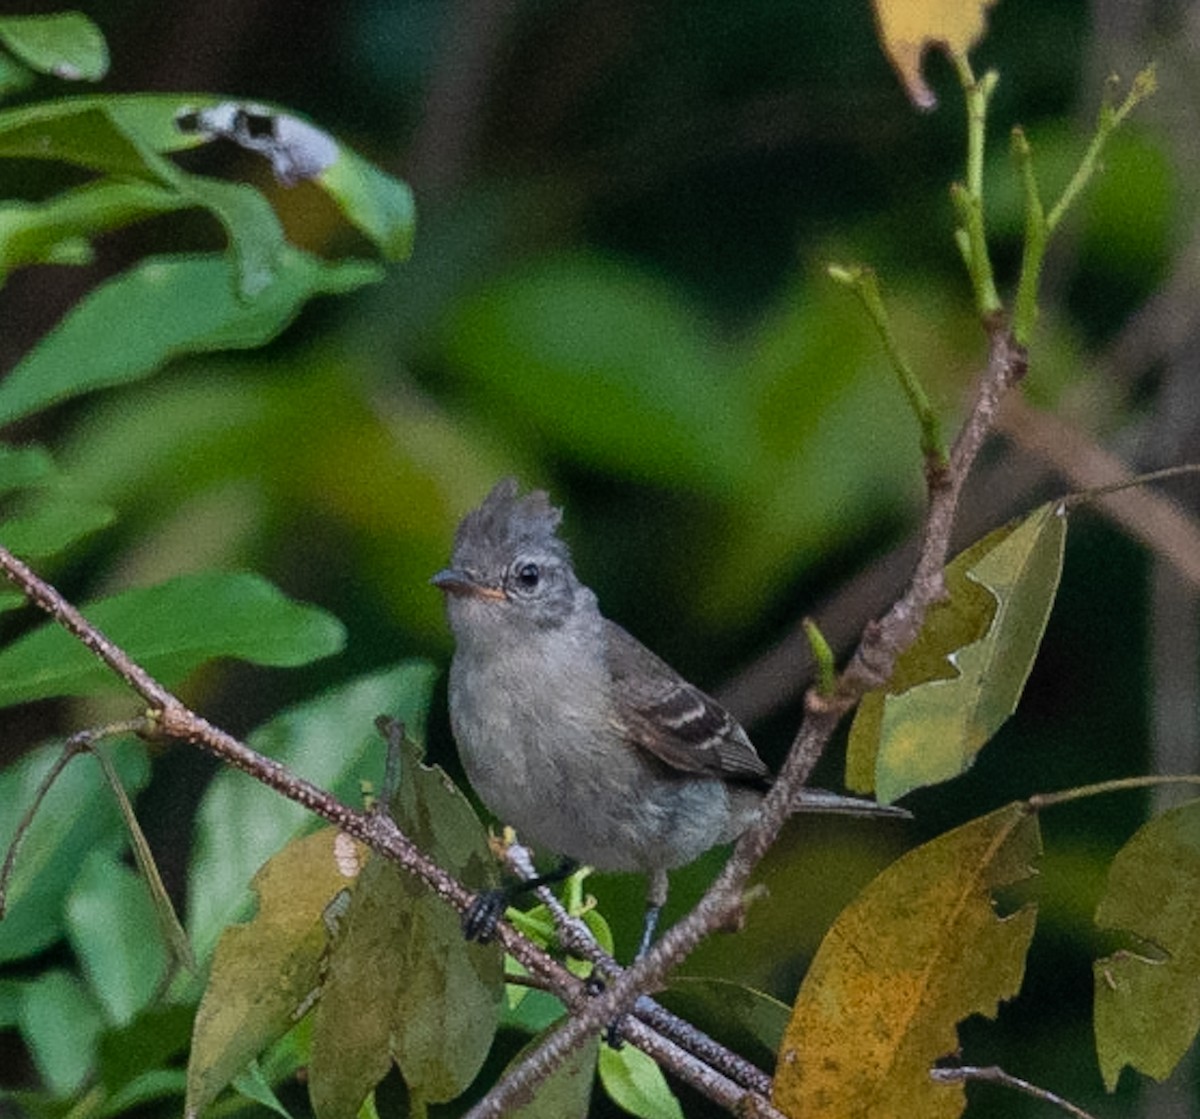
(571, 730)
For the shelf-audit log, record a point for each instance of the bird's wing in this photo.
(659, 711)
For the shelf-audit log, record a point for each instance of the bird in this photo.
(573, 732)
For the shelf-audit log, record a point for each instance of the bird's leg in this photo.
(656, 898)
(484, 912)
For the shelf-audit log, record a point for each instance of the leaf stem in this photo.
(823, 656)
(1117, 785)
(971, 235)
(865, 284)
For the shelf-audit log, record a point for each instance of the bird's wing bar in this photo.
(662, 713)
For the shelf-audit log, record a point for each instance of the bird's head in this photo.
(508, 567)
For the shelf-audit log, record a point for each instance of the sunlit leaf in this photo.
(265, 972)
(184, 304)
(919, 950)
(332, 741)
(636, 1084)
(60, 838)
(403, 982)
(908, 28)
(170, 629)
(1148, 996)
(962, 678)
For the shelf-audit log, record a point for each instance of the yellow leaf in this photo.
(908, 27)
(265, 971)
(920, 949)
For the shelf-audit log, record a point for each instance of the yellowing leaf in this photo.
(908, 27)
(403, 984)
(1148, 1003)
(923, 732)
(959, 619)
(918, 951)
(265, 971)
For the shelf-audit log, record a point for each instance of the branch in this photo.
(994, 1074)
(869, 668)
(171, 717)
(693, 1044)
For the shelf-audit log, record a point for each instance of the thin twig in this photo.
(994, 1074)
(174, 719)
(870, 667)
(374, 828)
(577, 939)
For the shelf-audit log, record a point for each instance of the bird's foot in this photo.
(483, 915)
(614, 1034)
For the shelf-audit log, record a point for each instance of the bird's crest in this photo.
(506, 523)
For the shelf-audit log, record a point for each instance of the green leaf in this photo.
(567, 1092)
(1148, 998)
(636, 1084)
(919, 950)
(14, 77)
(380, 206)
(39, 516)
(256, 237)
(147, 1087)
(963, 677)
(170, 630)
(120, 134)
(733, 1007)
(611, 368)
(33, 232)
(403, 983)
(265, 972)
(77, 817)
(254, 1086)
(111, 925)
(162, 308)
(241, 823)
(21, 467)
(60, 1024)
(79, 131)
(51, 525)
(67, 45)
(159, 1036)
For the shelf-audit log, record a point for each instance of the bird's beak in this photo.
(454, 580)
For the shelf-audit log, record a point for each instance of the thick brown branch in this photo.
(375, 829)
(869, 668)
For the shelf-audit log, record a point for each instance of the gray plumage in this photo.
(572, 731)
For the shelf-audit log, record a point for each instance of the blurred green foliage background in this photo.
(618, 293)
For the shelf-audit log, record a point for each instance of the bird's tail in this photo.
(818, 800)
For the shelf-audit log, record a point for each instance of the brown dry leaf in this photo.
(908, 27)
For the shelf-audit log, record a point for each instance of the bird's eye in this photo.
(528, 575)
